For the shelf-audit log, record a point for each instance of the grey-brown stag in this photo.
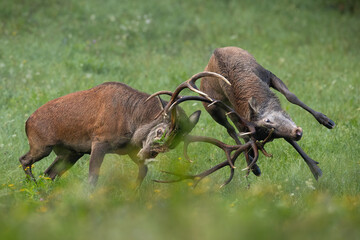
(250, 96)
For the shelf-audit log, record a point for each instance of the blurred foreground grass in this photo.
(178, 211)
(51, 48)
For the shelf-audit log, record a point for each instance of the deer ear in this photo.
(193, 119)
(254, 108)
(184, 127)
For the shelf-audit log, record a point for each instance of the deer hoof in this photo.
(330, 124)
(256, 170)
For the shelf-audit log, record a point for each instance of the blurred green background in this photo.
(51, 48)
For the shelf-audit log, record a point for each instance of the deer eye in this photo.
(159, 133)
(267, 120)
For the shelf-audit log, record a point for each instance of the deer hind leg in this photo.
(31, 157)
(63, 162)
(278, 85)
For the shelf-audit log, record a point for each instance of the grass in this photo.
(51, 48)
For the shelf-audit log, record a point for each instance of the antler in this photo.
(230, 160)
(261, 144)
(235, 117)
(190, 84)
(226, 148)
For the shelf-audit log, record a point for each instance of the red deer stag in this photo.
(109, 118)
(250, 96)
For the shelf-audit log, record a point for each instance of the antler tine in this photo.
(256, 156)
(187, 98)
(232, 171)
(191, 82)
(159, 93)
(233, 159)
(261, 144)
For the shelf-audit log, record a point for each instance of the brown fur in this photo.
(72, 113)
(109, 118)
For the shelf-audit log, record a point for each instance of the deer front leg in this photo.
(313, 165)
(278, 85)
(219, 115)
(143, 168)
(98, 151)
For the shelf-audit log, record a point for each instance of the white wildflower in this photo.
(309, 183)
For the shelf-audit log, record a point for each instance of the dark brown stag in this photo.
(109, 118)
(250, 96)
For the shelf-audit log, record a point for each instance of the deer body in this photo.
(109, 118)
(251, 97)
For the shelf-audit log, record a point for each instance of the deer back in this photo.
(108, 112)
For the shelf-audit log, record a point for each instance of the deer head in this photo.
(171, 124)
(272, 118)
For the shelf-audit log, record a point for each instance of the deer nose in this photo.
(298, 133)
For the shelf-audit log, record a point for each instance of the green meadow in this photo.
(52, 48)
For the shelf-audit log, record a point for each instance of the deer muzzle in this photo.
(298, 132)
